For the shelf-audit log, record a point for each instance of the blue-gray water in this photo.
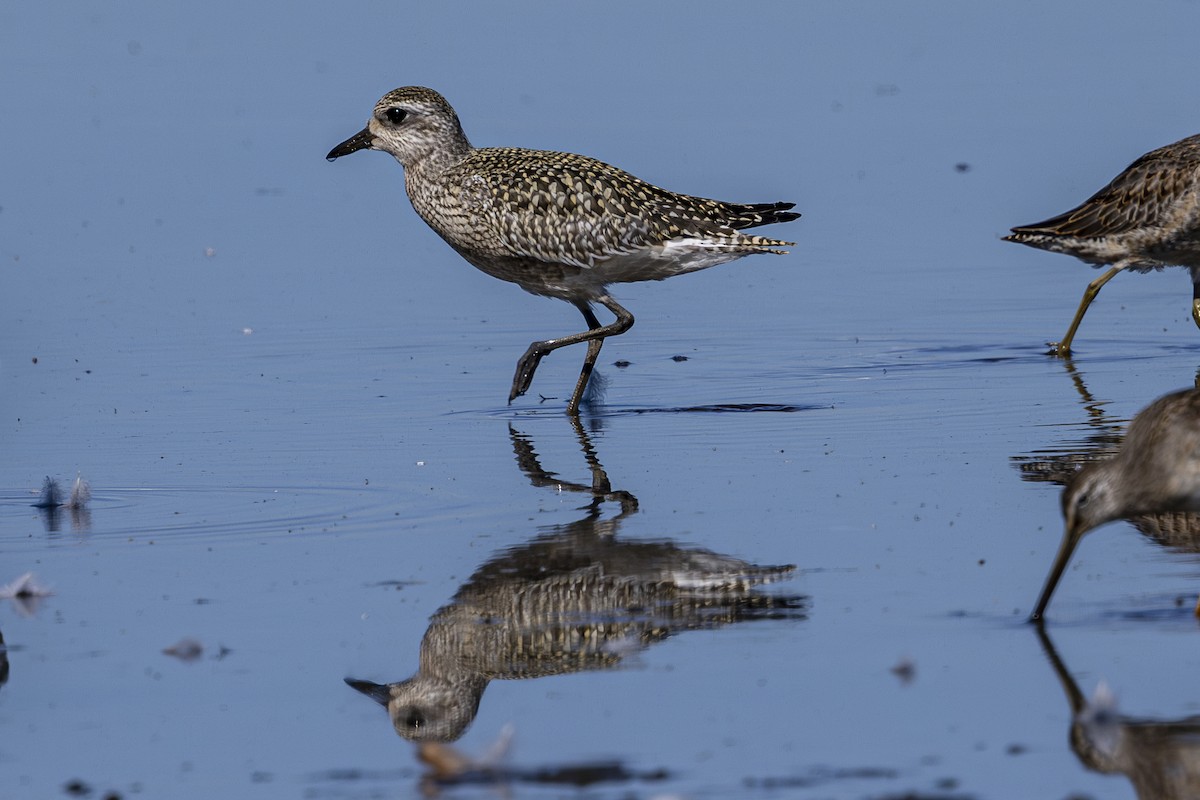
(288, 393)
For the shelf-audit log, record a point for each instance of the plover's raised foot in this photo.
(555, 224)
(1147, 218)
(1156, 470)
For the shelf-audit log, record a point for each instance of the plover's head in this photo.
(413, 124)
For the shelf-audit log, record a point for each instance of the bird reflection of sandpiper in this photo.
(1161, 758)
(1147, 218)
(556, 224)
(1156, 471)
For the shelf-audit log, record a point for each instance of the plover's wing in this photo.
(571, 209)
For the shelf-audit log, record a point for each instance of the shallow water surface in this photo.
(288, 397)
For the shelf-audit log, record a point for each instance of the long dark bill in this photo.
(1070, 540)
(359, 141)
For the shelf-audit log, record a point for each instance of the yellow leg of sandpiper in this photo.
(1063, 348)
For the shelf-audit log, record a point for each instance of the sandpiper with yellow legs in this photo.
(1156, 470)
(1146, 218)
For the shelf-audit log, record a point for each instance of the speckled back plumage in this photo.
(1148, 217)
(556, 224)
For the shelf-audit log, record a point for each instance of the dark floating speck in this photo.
(77, 788)
(962, 166)
(679, 358)
(186, 649)
(621, 364)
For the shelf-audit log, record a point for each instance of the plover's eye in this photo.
(395, 115)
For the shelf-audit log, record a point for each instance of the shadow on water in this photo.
(1161, 758)
(3, 661)
(595, 411)
(716, 408)
(573, 598)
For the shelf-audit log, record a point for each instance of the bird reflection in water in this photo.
(571, 599)
(1161, 758)
(1125, 476)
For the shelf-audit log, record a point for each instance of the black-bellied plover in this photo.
(555, 224)
(1147, 218)
(1156, 470)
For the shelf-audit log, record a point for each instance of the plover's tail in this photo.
(755, 214)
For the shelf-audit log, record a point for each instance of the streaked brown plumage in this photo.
(555, 224)
(1157, 470)
(1147, 218)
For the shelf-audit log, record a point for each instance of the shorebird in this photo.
(1147, 218)
(556, 224)
(1157, 470)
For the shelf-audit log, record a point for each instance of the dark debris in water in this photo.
(78, 788)
(905, 669)
(395, 584)
(924, 796)
(1175, 611)
(449, 768)
(723, 408)
(51, 501)
(188, 649)
(354, 775)
(50, 496)
(820, 776)
(576, 775)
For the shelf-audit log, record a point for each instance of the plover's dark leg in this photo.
(594, 336)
